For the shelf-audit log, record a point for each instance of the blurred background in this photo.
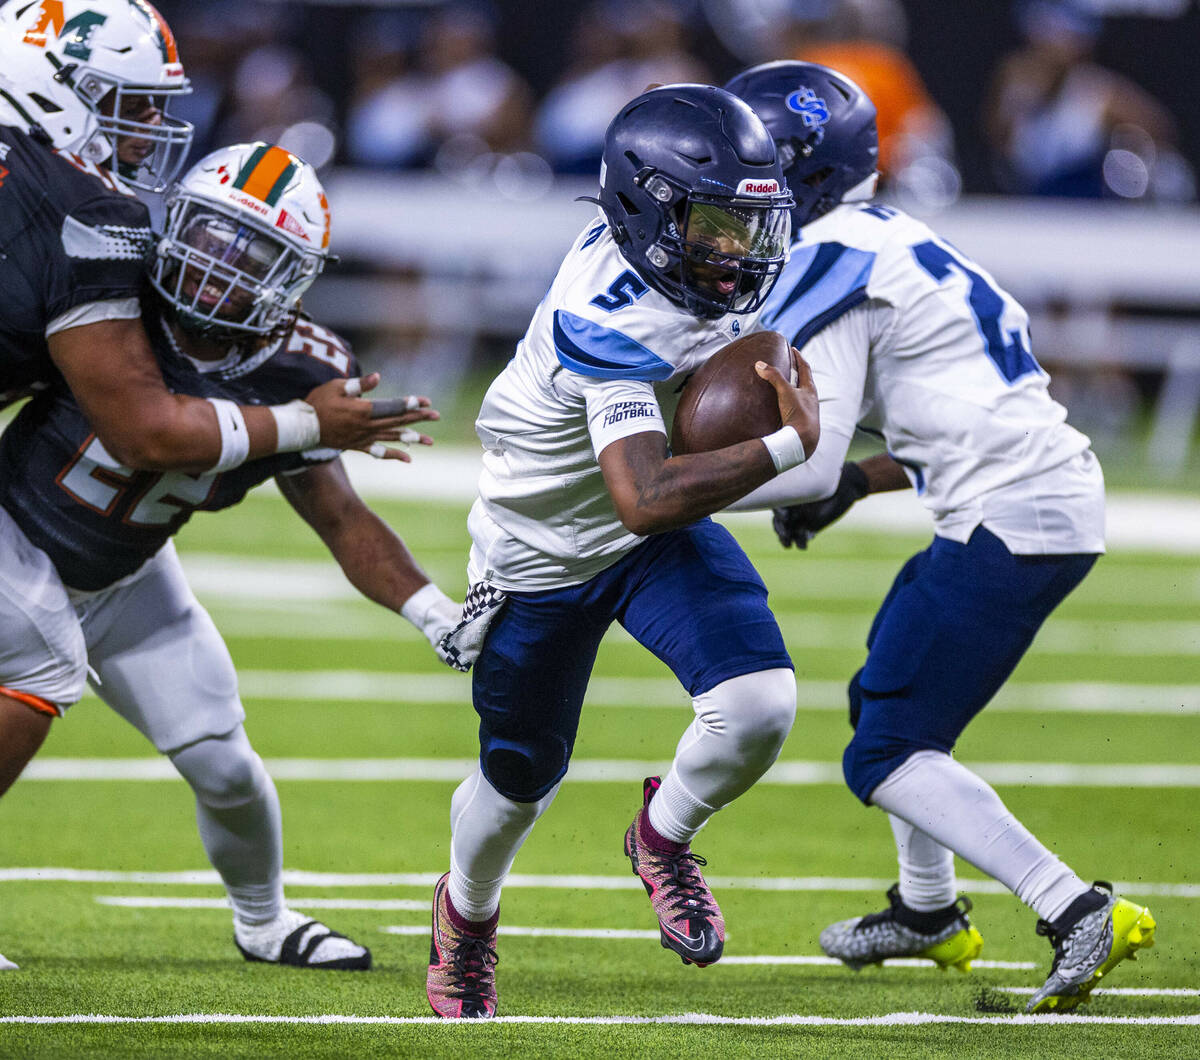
(1055, 141)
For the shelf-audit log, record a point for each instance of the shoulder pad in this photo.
(820, 283)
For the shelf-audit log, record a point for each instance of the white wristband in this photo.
(235, 439)
(296, 427)
(431, 611)
(785, 448)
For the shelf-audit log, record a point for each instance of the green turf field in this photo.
(334, 686)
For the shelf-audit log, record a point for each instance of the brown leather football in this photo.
(725, 402)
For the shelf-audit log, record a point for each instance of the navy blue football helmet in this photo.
(823, 125)
(695, 197)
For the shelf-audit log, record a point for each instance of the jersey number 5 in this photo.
(623, 291)
(1008, 352)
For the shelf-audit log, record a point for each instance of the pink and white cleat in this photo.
(689, 920)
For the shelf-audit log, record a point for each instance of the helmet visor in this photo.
(217, 270)
(732, 250)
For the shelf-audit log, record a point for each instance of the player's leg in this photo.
(701, 607)
(164, 667)
(528, 688)
(948, 642)
(43, 663)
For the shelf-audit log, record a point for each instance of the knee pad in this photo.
(223, 771)
(754, 712)
(524, 770)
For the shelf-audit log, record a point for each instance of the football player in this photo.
(84, 90)
(584, 518)
(911, 340)
(247, 232)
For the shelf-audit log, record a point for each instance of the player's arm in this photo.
(653, 491)
(372, 556)
(112, 372)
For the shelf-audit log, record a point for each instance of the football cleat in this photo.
(689, 920)
(461, 981)
(300, 942)
(1089, 946)
(944, 936)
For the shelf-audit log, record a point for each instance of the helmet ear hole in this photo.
(627, 204)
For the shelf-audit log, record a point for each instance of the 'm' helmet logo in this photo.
(811, 107)
(78, 31)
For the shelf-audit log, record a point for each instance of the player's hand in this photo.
(797, 403)
(799, 524)
(349, 421)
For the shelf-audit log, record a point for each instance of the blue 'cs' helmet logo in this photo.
(811, 108)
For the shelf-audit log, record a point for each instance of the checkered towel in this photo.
(461, 646)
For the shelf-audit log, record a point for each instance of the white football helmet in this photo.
(247, 232)
(85, 72)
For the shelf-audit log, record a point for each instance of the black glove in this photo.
(798, 524)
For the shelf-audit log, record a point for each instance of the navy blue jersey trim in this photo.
(601, 353)
(821, 320)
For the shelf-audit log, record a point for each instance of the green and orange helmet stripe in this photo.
(163, 34)
(266, 173)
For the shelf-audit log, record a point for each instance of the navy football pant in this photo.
(955, 624)
(690, 596)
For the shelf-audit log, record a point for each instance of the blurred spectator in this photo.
(617, 49)
(388, 121)
(1060, 124)
(474, 96)
(865, 40)
(214, 37)
(274, 98)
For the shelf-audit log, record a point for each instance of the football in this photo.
(725, 402)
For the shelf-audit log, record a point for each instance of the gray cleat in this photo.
(945, 937)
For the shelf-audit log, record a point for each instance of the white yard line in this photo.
(1121, 991)
(598, 770)
(579, 882)
(893, 1019)
(383, 905)
(539, 932)
(1152, 521)
(332, 686)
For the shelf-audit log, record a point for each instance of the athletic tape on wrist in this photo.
(421, 609)
(296, 426)
(785, 448)
(235, 439)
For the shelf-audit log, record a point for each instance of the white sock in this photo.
(739, 729)
(486, 831)
(927, 880)
(237, 813)
(956, 808)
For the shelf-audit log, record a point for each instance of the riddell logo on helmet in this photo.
(758, 187)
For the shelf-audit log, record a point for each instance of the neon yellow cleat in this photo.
(944, 936)
(1089, 948)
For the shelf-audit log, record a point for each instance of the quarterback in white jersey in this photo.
(584, 519)
(911, 340)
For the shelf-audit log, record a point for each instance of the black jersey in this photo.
(69, 235)
(99, 521)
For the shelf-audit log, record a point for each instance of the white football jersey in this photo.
(604, 356)
(911, 340)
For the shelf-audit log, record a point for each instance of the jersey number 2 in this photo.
(1008, 352)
